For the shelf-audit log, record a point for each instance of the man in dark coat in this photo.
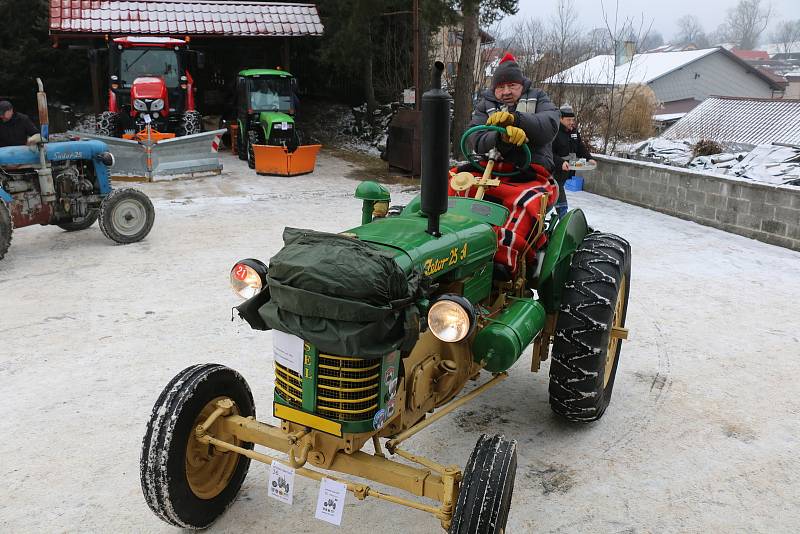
(512, 102)
(567, 142)
(528, 117)
(15, 128)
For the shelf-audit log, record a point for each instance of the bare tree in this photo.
(691, 32)
(786, 34)
(746, 22)
(652, 40)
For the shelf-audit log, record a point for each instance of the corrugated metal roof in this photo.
(184, 17)
(740, 120)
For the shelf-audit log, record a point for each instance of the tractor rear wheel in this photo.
(594, 302)
(79, 223)
(108, 124)
(126, 216)
(6, 229)
(191, 123)
(485, 495)
(185, 482)
(254, 137)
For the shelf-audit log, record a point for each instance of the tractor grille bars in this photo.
(348, 389)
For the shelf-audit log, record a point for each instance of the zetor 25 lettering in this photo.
(433, 265)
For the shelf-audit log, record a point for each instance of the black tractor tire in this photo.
(79, 223)
(255, 136)
(585, 356)
(6, 229)
(126, 216)
(484, 499)
(108, 124)
(191, 123)
(166, 469)
(241, 145)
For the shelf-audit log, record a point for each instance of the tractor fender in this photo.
(564, 241)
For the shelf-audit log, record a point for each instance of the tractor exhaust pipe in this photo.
(46, 185)
(435, 150)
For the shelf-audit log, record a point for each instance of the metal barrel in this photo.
(435, 150)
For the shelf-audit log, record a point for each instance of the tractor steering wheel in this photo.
(474, 163)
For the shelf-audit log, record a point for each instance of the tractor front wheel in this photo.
(185, 482)
(126, 216)
(485, 495)
(241, 145)
(79, 223)
(6, 229)
(254, 137)
(594, 303)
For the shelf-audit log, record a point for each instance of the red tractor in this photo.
(150, 82)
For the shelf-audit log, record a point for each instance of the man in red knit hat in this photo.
(529, 117)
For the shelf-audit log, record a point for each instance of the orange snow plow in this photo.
(277, 160)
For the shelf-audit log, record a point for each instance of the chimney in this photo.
(624, 53)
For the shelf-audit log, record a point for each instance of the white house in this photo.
(674, 76)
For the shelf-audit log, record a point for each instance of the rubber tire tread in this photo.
(158, 486)
(106, 226)
(6, 229)
(108, 124)
(191, 123)
(254, 137)
(88, 221)
(487, 487)
(584, 325)
(241, 148)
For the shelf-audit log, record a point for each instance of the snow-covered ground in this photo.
(701, 436)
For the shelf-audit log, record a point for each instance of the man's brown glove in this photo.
(500, 118)
(515, 136)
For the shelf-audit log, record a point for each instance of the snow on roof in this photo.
(643, 68)
(183, 17)
(750, 121)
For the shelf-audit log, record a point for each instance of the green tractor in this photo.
(376, 331)
(265, 108)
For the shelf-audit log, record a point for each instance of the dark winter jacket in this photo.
(564, 144)
(534, 113)
(16, 131)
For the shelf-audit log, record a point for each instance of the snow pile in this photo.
(677, 153)
(774, 164)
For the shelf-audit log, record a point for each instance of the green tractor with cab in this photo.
(266, 103)
(376, 331)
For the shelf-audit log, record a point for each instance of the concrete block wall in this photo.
(760, 211)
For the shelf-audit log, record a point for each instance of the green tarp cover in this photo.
(343, 295)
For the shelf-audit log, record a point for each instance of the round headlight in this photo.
(106, 158)
(451, 318)
(139, 105)
(248, 278)
(157, 105)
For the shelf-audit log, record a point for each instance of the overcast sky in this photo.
(663, 14)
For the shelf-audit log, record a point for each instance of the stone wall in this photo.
(760, 211)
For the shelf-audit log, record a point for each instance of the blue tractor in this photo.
(67, 184)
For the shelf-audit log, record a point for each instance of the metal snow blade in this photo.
(151, 161)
